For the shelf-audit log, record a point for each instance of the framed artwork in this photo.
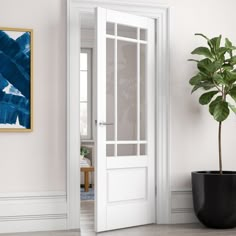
(16, 79)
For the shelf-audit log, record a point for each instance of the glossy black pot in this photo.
(214, 198)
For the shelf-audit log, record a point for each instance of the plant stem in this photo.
(219, 142)
(217, 87)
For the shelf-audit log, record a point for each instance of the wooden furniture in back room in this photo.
(86, 171)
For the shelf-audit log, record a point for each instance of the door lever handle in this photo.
(102, 123)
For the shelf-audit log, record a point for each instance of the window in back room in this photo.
(86, 94)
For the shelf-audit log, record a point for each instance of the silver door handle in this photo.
(102, 123)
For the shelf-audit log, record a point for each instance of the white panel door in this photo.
(125, 186)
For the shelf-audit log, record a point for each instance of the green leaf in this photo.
(207, 66)
(193, 60)
(227, 67)
(206, 97)
(196, 87)
(213, 104)
(228, 43)
(202, 35)
(214, 43)
(205, 37)
(207, 85)
(204, 65)
(203, 51)
(232, 107)
(218, 40)
(221, 111)
(232, 93)
(231, 60)
(221, 51)
(195, 79)
(218, 78)
(215, 66)
(230, 76)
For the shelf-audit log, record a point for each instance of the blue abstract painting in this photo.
(15, 79)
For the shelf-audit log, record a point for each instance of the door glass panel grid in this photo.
(126, 148)
(141, 35)
(123, 34)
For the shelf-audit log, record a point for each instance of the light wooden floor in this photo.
(150, 230)
(87, 217)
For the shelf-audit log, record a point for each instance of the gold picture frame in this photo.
(16, 79)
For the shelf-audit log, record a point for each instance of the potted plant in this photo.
(214, 192)
(83, 152)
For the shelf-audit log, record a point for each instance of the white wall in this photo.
(36, 161)
(193, 132)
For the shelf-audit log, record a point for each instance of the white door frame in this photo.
(144, 8)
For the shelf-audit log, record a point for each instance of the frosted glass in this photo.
(110, 28)
(110, 150)
(127, 90)
(143, 149)
(110, 110)
(127, 31)
(127, 149)
(143, 94)
(143, 34)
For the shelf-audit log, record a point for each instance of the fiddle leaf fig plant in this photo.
(217, 77)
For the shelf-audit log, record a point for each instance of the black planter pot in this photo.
(214, 198)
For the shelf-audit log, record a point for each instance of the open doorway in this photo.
(87, 122)
(161, 14)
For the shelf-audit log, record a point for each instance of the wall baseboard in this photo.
(28, 212)
(182, 207)
(24, 212)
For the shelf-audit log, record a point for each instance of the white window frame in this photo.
(89, 52)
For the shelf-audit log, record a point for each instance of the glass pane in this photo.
(143, 34)
(127, 90)
(126, 149)
(83, 118)
(110, 89)
(83, 86)
(127, 31)
(83, 61)
(110, 28)
(143, 150)
(110, 150)
(143, 105)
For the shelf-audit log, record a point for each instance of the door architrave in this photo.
(161, 15)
